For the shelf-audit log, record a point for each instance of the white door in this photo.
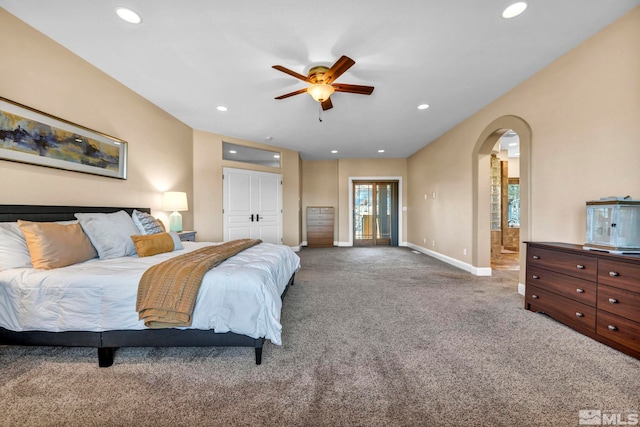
(252, 205)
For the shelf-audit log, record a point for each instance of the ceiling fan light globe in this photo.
(320, 92)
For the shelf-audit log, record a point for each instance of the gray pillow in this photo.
(109, 233)
(146, 223)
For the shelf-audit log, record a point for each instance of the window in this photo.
(256, 156)
(513, 207)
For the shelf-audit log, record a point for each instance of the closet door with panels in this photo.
(252, 205)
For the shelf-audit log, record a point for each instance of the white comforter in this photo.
(241, 295)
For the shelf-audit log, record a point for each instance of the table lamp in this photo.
(175, 201)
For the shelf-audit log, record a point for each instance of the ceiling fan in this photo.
(322, 78)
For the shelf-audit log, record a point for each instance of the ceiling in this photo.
(190, 56)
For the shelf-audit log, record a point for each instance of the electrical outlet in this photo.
(464, 251)
(425, 196)
(424, 240)
(433, 195)
(433, 243)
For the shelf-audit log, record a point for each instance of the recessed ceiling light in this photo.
(423, 106)
(334, 151)
(128, 15)
(222, 108)
(380, 151)
(514, 10)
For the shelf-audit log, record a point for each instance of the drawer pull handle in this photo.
(536, 257)
(534, 296)
(535, 277)
(612, 328)
(578, 314)
(580, 267)
(614, 273)
(580, 291)
(613, 300)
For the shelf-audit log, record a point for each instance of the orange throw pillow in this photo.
(153, 244)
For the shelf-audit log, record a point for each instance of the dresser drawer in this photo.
(319, 210)
(619, 301)
(320, 217)
(580, 317)
(583, 267)
(618, 329)
(319, 222)
(571, 287)
(325, 229)
(619, 274)
(311, 234)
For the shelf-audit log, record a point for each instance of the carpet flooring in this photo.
(371, 337)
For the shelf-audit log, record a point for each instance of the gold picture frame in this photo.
(31, 136)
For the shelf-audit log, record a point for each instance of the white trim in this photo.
(476, 271)
(374, 178)
(521, 288)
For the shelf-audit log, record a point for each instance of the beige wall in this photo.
(326, 183)
(584, 114)
(41, 74)
(207, 183)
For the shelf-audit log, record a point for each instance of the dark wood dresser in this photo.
(595, 293)
(319, 226)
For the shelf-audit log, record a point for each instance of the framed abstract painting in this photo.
(31, 136)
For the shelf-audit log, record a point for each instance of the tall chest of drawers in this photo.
(320, 226)
(595, 293)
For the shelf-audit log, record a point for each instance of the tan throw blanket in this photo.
(167, 291)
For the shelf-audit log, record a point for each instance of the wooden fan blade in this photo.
(292, 73)
(297, 92)
(341, 65)
(362, 90)
(326, 104)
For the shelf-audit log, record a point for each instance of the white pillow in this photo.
(146, 223)
(14, 252)
(109, 233)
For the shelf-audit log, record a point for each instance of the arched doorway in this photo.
(481, 164)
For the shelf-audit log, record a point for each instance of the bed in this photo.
(238, 303)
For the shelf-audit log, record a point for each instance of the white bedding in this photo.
(241, 295)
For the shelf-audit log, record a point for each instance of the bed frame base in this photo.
(108, 342)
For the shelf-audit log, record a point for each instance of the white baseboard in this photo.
(521, 288)
(476, 271)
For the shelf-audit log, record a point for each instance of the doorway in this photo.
(375, 213)
(505, 202)
(481, 256)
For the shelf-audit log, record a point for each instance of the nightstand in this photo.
(187, 236)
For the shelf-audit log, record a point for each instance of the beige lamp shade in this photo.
(175, 201)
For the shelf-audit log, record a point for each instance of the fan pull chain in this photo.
(320, 112)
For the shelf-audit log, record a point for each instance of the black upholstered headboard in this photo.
(11, 213)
